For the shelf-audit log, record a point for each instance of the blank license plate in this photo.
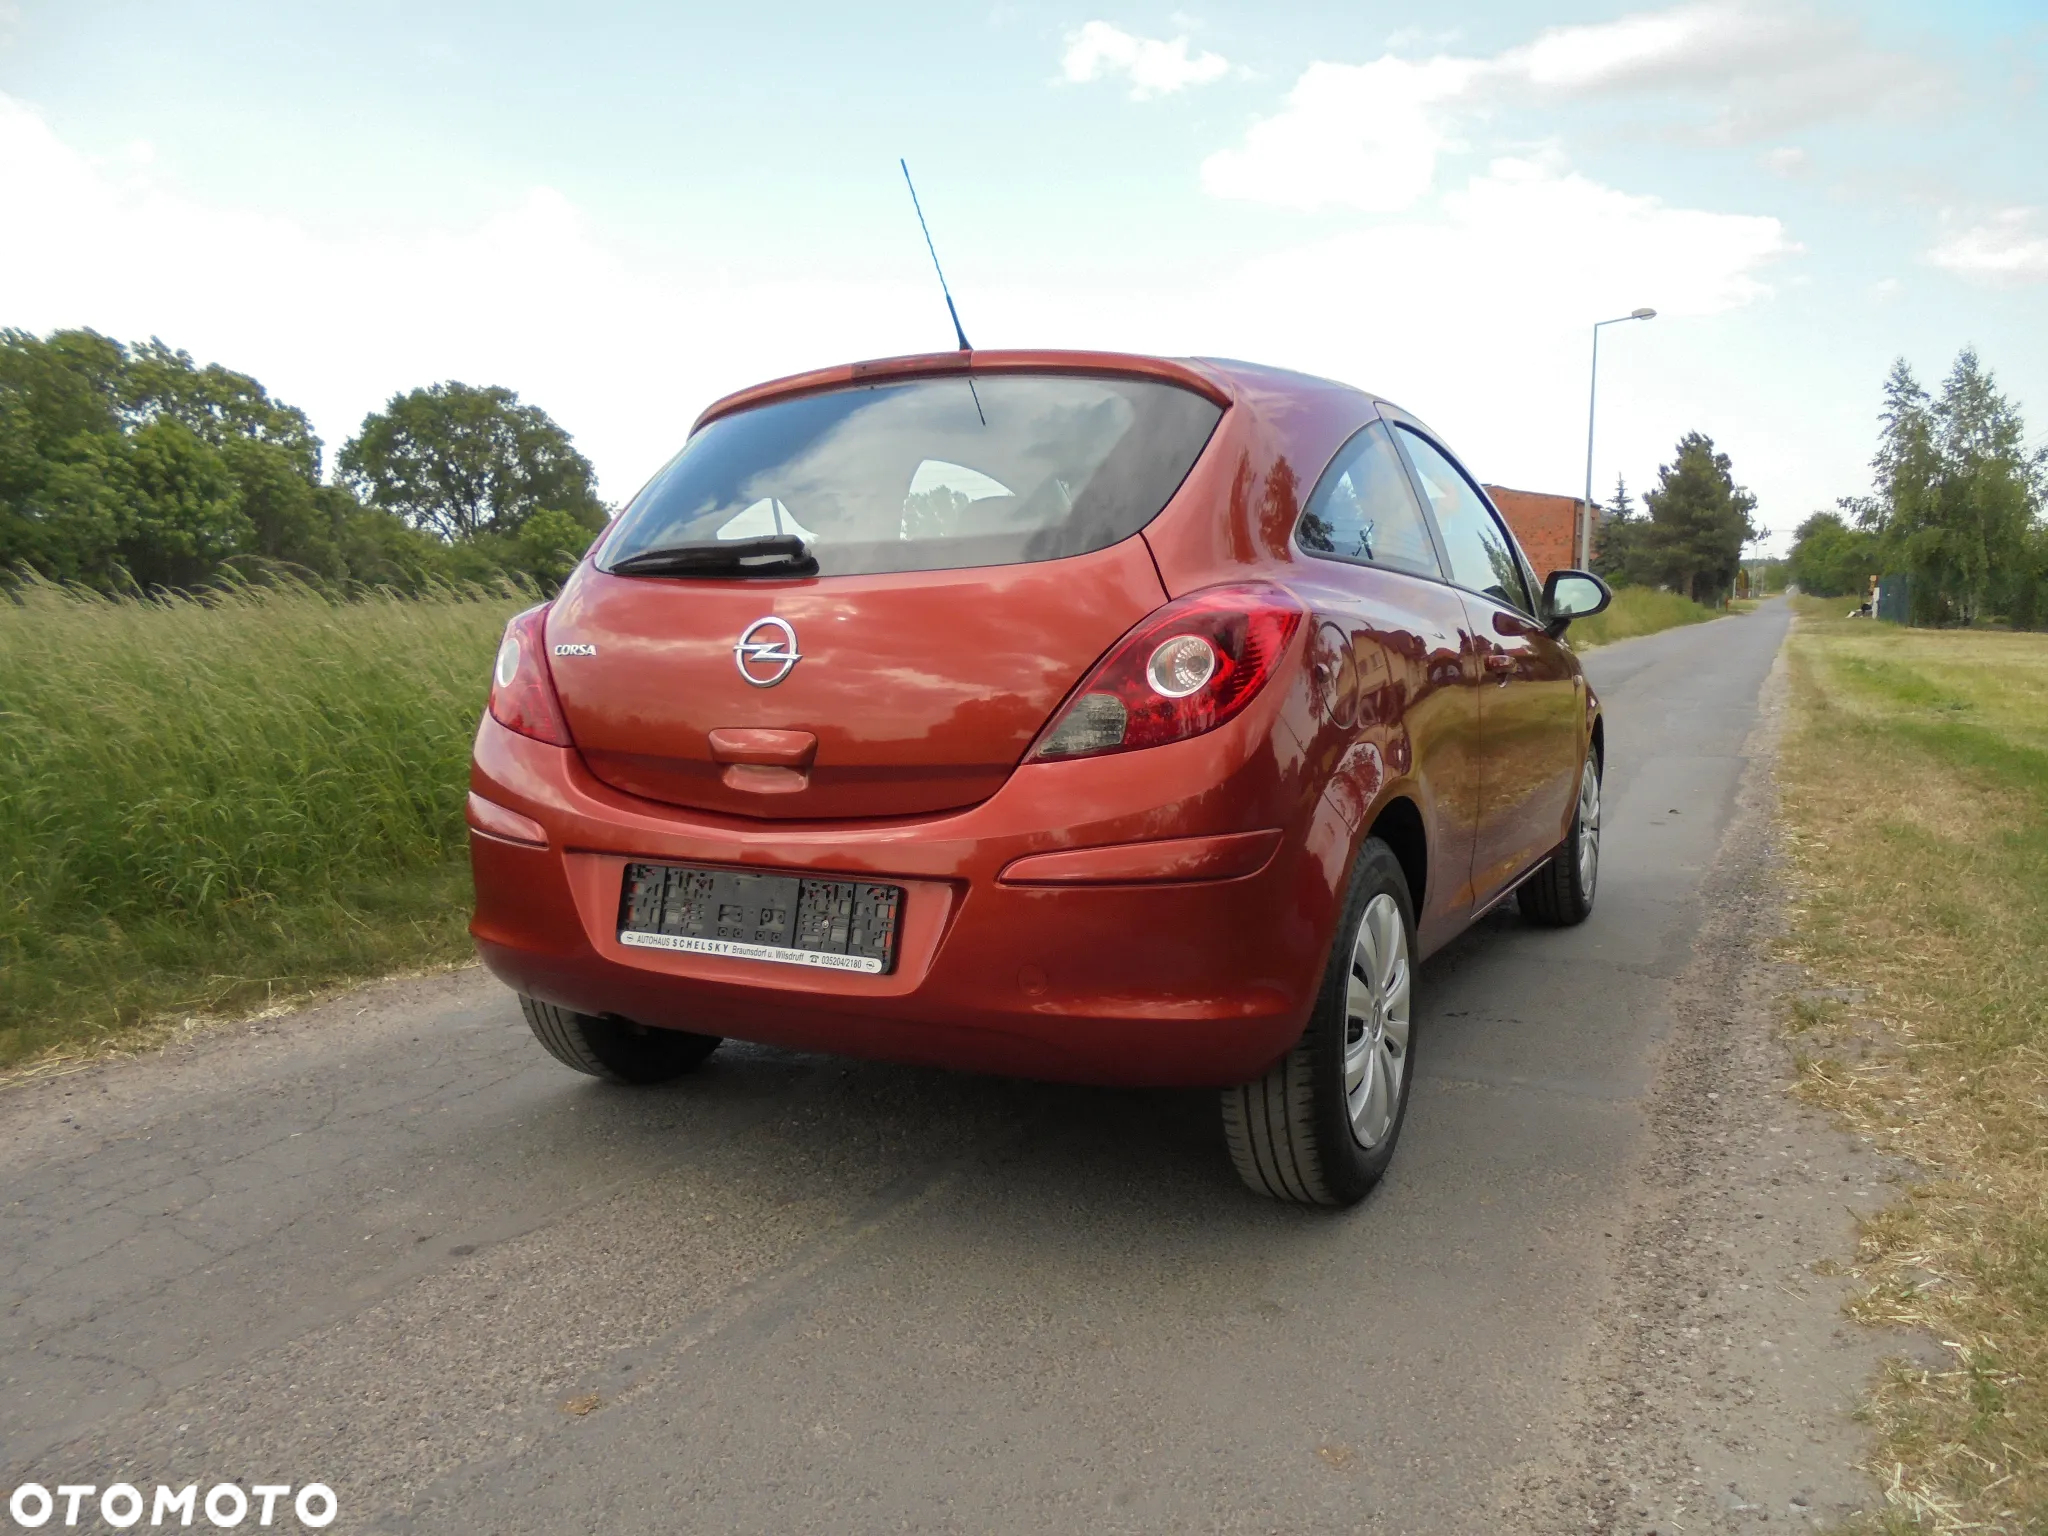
(836, 925)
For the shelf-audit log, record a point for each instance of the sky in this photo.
(623, 211)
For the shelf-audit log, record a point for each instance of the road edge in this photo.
(1721, 1388)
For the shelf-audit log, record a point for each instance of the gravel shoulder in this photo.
(1725, 1378)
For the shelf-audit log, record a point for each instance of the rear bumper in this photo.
(1186, 982)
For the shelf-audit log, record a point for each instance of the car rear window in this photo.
(930, 474)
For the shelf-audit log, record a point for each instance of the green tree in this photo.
(132, 464)
(125, 465)
(290, 521)
(1699, 522)
(459, 461)
(1618, 538)
(1831, 559)
(220, 406)
(1957, 495)
(2025, 594)
(64, 493)
(186, 514)
(269, 449)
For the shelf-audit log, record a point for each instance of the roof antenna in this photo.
(959, 333)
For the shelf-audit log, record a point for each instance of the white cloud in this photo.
(1785, 160)
(2006, 250)
(1351, 135)
(1369, 135)
(1759, 67)
(1472, 312)
(530, 297)
(1523, 255)
(1431, 39)
(1647, 48)
(1154, 67)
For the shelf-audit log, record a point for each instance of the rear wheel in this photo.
(1320, 1128)
(1560, 894)
(615, 1049)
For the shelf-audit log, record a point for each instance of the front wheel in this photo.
(617, 1050)
(1560, 894)
(1320, 1128)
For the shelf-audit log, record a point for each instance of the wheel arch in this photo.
(1400, 826)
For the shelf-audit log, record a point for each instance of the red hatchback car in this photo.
(1113, 719)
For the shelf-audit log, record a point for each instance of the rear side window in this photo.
(930, 474)
(1481, 554)
(1364, 509)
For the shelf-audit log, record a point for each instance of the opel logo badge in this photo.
(766, 652)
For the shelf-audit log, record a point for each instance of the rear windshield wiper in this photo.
(772, 554)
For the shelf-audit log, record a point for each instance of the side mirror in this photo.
(1569, 595)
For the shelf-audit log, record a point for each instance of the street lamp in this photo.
(1592, 397)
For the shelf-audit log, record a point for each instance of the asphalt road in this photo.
(388, 1246)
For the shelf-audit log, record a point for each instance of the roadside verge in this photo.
(1720, 1393)
(1916, 800)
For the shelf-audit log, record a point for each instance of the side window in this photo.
(1364, 509)
(1481, 554)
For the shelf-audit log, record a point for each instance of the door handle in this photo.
(1501, 662)
(764, 762)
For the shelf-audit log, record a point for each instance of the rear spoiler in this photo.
(1188, 376)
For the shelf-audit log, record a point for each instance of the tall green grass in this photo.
(1638, 611)
(208, 801)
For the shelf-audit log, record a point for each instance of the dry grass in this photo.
(1915, 783)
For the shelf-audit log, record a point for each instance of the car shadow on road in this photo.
(1143, 1155)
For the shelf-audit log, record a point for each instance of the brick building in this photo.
(1546, 526)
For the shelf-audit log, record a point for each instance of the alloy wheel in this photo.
(1589, 829)
(1376, 1021)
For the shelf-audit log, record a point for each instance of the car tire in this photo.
(1560, 894)
(614, 1049)
(1320, 1128)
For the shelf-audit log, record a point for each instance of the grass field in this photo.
(208, 804)
(1638, 611)
(1915, 787)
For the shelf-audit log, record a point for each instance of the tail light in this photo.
(522, 688)
(1184, 670)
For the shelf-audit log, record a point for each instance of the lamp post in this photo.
(1592, 398)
